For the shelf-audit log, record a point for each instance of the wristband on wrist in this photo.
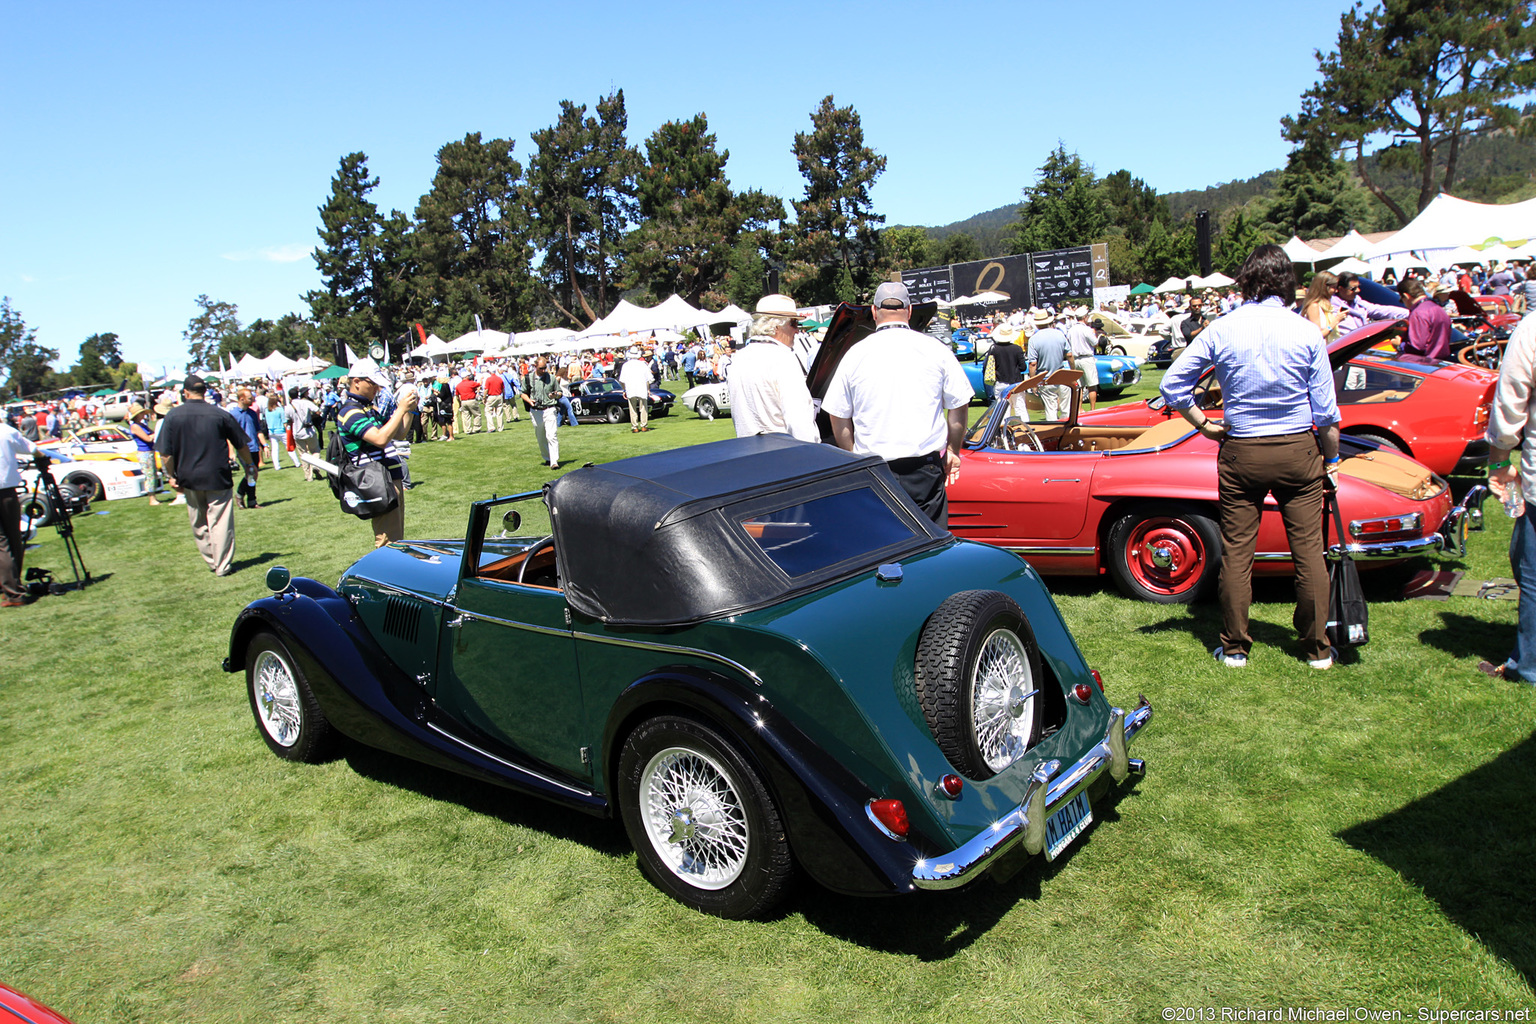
(1332, 462)
(1499, 465)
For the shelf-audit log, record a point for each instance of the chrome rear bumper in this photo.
(1451, 537)
(1049, 788)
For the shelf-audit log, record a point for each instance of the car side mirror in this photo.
(510, 522)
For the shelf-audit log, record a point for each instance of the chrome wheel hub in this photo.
(694, 817)
(1162, 556)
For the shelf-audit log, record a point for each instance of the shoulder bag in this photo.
(1348, 614)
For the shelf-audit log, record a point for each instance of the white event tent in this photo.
(1352, 244)
(1448, 222)
(1299, 251)
(1173, 284)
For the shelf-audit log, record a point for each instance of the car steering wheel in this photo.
(538, 546)
(1035, 443)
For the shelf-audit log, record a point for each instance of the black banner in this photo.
(930, 284)
(1008, 274)
(1062, 274)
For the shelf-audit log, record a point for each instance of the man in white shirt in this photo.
(636, 377)
(1083, 343)
(767, 383)
(13, 545)
(902, 396)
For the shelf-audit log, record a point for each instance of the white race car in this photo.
(708, 400)
(92, 479)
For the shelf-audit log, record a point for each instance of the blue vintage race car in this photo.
(1116, 373)
(757, 653)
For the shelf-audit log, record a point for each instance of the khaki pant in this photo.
(472, 421)
(306, 445)
(639, 413)
(1290, 467)
(495, 413)
(212, 514)
(391, 525)
(1057, 399)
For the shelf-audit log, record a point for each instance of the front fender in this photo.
(822, 803)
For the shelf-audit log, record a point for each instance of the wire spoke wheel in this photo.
(277, 698)
(695, 819)
(1003, 707)
(705, 827)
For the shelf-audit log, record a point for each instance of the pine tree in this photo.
(837, 249)
(471, 239)
(349, 258)
(24, 364)
(1062, 209)
(690, 219)
(208, 332)
(1314, 197)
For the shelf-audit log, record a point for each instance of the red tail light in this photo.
(951, 785)
(892, 815)
(1098, 680)
(1083, 692)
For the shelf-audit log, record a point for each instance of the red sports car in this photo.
(1434, 411)
(1139, 501)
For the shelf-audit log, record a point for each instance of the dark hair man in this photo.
(194, 445)
(1280, 437)
(1429, 326)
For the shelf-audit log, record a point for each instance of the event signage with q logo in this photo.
(1007, 274)
(1062, 274)
(929, 284)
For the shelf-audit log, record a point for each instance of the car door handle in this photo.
(456, 621)
(1061, 480)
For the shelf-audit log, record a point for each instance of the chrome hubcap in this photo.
(1162, 556)
(694, 817)
(1004, 715)
(277, 698)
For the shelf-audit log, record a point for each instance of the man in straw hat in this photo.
(902, 396)
(767, 383)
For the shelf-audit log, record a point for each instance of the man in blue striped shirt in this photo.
(1281, 437)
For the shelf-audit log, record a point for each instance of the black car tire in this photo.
(706, 407)
(735, 861)
(615, 413)
(1379, 439)
(963, 654)
(38, 508)
(286, 712)
(86, 483)
(1193, 540)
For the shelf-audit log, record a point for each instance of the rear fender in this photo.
(823, 804)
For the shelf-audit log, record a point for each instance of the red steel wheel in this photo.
(1167, 554)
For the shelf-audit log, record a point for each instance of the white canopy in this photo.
(478, 341)
(1351, 266)
(1352, 244)
(1174, 284)
(1505, 253)
(682, 313)
(432, 349)
(1448, 222)
(1299, 251)
(732, 314)
(1216, 280)
(981, 299)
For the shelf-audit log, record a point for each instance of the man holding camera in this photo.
(194, 445)
(13, 446)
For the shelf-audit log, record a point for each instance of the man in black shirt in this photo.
(194, 445)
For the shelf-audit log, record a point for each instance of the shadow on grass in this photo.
(1464, 636)
(261, 559)
(1470, 847)
(505, 805)
(934, 926)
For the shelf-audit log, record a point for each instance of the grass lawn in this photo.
(1354, 838)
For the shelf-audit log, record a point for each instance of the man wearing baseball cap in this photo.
(902, 396)
(368, 437)
(194, 445)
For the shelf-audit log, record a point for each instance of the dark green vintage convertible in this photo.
(758, 653)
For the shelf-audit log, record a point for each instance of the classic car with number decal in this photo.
(603, 398)
(757, 653)
(1139, 502)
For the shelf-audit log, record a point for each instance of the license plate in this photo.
(1066, 825)
(126, 489)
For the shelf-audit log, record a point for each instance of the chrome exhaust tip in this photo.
(1137, 766)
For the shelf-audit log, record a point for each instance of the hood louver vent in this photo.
(402, 618)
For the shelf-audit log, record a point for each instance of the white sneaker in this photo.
(1230, 660)
(1324, 662)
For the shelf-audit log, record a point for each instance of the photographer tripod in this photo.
(63, 521)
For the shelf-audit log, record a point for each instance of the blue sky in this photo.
(158, 151)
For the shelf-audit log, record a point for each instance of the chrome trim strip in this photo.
(505, 763)
(530, 627)
(390, 588)
(646, 645)
(1026, 822)
(1053, 551)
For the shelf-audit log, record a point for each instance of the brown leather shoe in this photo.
(1491, 670)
